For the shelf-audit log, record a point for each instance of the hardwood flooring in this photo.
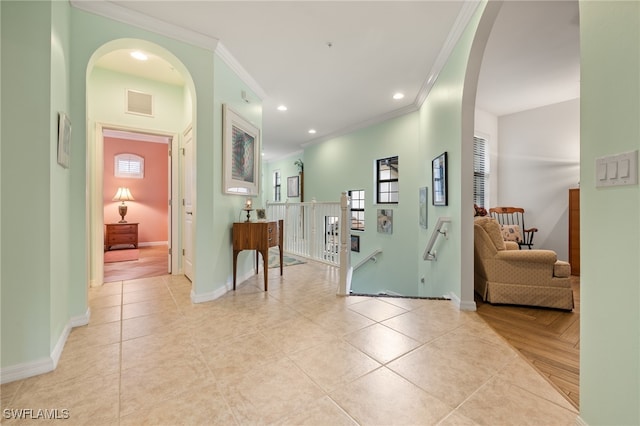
(153, 261)
(548, 338)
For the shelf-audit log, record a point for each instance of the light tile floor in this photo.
(297, 354)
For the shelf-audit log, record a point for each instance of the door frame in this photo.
(96, 202)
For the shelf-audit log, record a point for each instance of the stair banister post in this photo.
(313, 243)
(344, 285)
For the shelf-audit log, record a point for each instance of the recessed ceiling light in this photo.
(282, 108)
(139, 55)
(312, 131)
(398, 96)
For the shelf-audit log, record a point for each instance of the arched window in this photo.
(128, 165)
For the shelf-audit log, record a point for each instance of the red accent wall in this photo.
(151, 205)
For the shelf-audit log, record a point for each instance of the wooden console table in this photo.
(120, 233)
(258, 236)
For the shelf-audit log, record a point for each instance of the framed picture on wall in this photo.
(64, 140)
(241, 154)
(422, 209)
(355, 243)
(439, 182)
(293, 186)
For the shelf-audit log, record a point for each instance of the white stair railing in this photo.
(429, 252)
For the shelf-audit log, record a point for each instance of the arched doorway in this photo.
(166, 109)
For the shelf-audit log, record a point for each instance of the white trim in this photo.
(462, 305)
(122, 14)
(43, 365)
(466, 13)
(236, 67)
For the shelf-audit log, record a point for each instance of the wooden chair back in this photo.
(514, 216)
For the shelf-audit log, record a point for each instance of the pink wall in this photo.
(151, 205)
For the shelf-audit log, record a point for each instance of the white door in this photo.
(188, 203)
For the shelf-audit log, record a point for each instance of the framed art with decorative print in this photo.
(439, 187)
(241, 154)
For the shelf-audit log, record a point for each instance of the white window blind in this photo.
(129, 166)
(480, 171)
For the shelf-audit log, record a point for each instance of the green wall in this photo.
(348, 162)
(287, 169)
(609, 217)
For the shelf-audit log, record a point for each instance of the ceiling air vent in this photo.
(139, 103)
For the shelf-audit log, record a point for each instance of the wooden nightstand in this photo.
(120, 233)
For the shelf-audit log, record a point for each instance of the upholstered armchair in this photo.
(506, 275)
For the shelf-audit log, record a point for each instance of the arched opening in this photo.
(167, 113)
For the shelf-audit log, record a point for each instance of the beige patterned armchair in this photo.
(504, 274)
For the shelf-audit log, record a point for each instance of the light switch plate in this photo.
(617, 170)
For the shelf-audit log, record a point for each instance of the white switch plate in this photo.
(617, 170)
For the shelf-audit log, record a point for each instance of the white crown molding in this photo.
(121, 14)
(466, 13)
(373, 121)
(233, 63)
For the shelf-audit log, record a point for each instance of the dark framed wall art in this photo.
(439, 182)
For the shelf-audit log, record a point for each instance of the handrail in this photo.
(372, 256)
(428, 255)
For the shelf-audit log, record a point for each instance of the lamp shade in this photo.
(123, 194)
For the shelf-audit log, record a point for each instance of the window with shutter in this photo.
(128, 166)
(480, 171)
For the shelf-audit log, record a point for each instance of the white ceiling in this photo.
(336, 64)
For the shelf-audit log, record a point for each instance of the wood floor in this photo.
(548, 338)
(153, 261)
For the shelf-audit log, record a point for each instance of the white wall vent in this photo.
(139, 103)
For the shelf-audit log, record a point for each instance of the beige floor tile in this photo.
(162, 306)
(406, 303)
(153, 323)
(158, 349)
(384, 398)
(88, 399)
(238, 356)
(423, 325)
(146, 386)
(200, 406)
(319, 413)
(334, 363)
(339, 320)
(382, 343)
(457, 419)
(443, 374)
(94, 335)
(520, 373)
(156, 292)
(297, 335)
(106, 301)
(376, 309)
(105, 315)
(501, 403)
(8, 392)
(269, 394)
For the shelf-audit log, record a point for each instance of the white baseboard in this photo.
(213, 295)
(581, 422)
(43, 365)
(462, 305)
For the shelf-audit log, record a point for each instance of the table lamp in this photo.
(123, 194)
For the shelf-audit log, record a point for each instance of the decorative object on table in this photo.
(293, 186)
(355, 243)
(422, 207)
(385, 221)
(439, 166)
(64, 140)
(241, 153)
(262, 214)
(123, 194)
(248, 208)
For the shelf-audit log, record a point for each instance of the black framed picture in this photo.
(439, 183)
(355, 243)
